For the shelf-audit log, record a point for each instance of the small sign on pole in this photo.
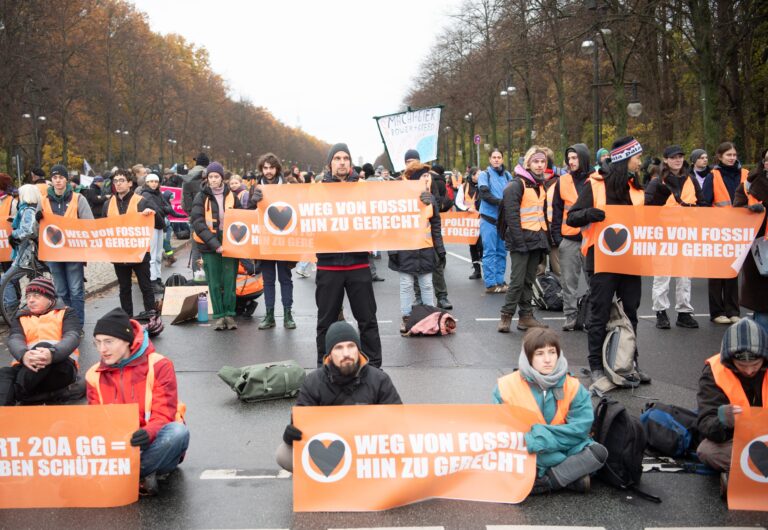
(477, 139)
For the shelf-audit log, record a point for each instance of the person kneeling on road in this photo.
(565, 454)
(346, 378)
(732, 380)
(129, 358)
(43, 341)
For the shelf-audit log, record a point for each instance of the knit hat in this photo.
(437, 168)
(744, 341)
(340, 331)
(673, 150)
(368, 169)
(43, 286)
(214, 167)
(116, 324)
(38, 172)
(335, 149)
(625, 148)
(412, 154)
(696, 154)
(600, 152)
(98, 178)
(151, 176)
(202, 160)
(59, 169)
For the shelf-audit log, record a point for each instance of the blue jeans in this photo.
(407, 295)
(165, 453)
(70, 288)
(10, 297)
(494, 254)
(761, 319)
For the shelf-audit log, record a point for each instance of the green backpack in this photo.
(261, 382)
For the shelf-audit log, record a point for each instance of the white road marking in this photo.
(459, 256)
(705, 528)
(695, 314)
(496, 319)
(234, 474)
(393, 528)
(537, 527)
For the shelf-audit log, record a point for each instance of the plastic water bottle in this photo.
(202, 308)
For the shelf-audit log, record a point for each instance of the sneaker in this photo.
(686, 320)
(230, 323)
(504, 323)
(734, 319)
(541, 486)
(220, 325)
(581, 485)
(377, 278)
(502, 288)
(527, 321)
(645, 379)
(491, 289)
(570, 324)
(662, 320)
(148, 486)
(722, 319)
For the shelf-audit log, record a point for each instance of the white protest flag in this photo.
(416, 129)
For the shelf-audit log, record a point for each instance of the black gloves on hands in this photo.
(426, 197)
(140, 439)
(38, 215)
(291, 434)
(595, 215)
(256, 195)
(756, 208)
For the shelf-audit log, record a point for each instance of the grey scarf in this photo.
(545, 382)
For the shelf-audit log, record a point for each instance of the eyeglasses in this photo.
(107, 343)
(118, 181)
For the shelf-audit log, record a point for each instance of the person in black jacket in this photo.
(418, 265)
(97, 196)
(345, 378)
(151, 193)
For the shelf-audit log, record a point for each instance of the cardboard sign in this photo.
(344, 217)
(181, 215)
(460, 227)
(748, 479)
(174, 297)
(119, 239)
(378, 457)
(5, 246)
(666, 241)
(241, 239)
(68, 456)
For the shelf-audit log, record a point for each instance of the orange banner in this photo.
(68, 456)
(344, 217)
(665, 241)
(119, 239)
(748, 479)
(5, 246)
(460, 227)
(378, 457)
(241, 239)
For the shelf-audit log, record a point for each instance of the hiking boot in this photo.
(220, 324)
(662, 320)
(645, 379)
(581, 485)
(230, 323)
(504, 323)
(527, 321)
(595, 375)
(722, 319)
(477, 275)
(148, 486)
(570, 324)
(541, 485)
(686, 320)
(444, 303)
(404, 326)
(269, 319)
(288, 322)
(724, 486)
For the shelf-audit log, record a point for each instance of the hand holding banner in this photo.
(748, 479)
(378, 457)
(119, 239)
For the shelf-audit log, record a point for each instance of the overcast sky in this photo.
(328, 66)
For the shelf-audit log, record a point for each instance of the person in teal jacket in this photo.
(565, 453)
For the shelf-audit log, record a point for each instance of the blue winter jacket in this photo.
(491, 182)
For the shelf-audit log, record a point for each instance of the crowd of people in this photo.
(536, 217)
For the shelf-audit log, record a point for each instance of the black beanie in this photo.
(412, 154)
(203, 160)
(335, 149)
(368, 169)
(59, 169)
(340, 331)
(117, 324)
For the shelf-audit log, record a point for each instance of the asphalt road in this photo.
(463, 368)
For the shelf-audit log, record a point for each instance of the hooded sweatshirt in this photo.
(580, 177)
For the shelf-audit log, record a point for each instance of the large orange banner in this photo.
(460, 227)
(344, 217)
(68, 456)
(748, 479)
(382, 456)
(118, 239)
(241, 239)
(662, 241)
(5, 246)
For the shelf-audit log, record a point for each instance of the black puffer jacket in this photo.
(155, 201)
(754, 286)
(326, 386)
(516, 238)
(341, 259)
(659, 189)
(211, 239)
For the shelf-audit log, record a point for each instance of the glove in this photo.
(441, 255)
(756, 208)
(291, 434)
(38, 215)
(140, 439)
(595, 215)
(725, 415)
(426, 197)
(257, 195)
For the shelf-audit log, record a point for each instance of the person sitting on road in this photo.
(43, 341)
(346, 378)
(130, 371)
(565, 453)
(732, 380)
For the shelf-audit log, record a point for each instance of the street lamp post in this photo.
(36, 120)
(507, 94)
(173, 143)
(471, 120)
(122, 133)
(591, 47)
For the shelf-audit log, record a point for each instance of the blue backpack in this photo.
(670, 430)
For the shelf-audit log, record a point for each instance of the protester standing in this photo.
(468, 200)
(151, 193)
(490, 185)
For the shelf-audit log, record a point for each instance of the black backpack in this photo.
(176, 280)
(670, 430)
(547, 292)
(582, 312)
(623, 436)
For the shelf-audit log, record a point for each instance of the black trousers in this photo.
(329, 296)
(602, 287)
(19, 382)
(123, 272)
(723, 297)
(476, 252)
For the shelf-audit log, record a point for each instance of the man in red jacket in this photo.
(130, 371)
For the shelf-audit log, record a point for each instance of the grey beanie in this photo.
(412, 154)
(335, 149)
(744, 341)
(340, 331)
(696, 154)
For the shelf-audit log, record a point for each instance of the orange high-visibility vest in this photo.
(229, 203)
(722, 198)
(550, 200)
(71, 207)
(588, 233)
(532, 209)
(516, 391)
(46, 328)
(133, 204)
(43, 188)
(5, 207)
(93, 377)
(569, 195)
(730, 385)
(688, 194)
